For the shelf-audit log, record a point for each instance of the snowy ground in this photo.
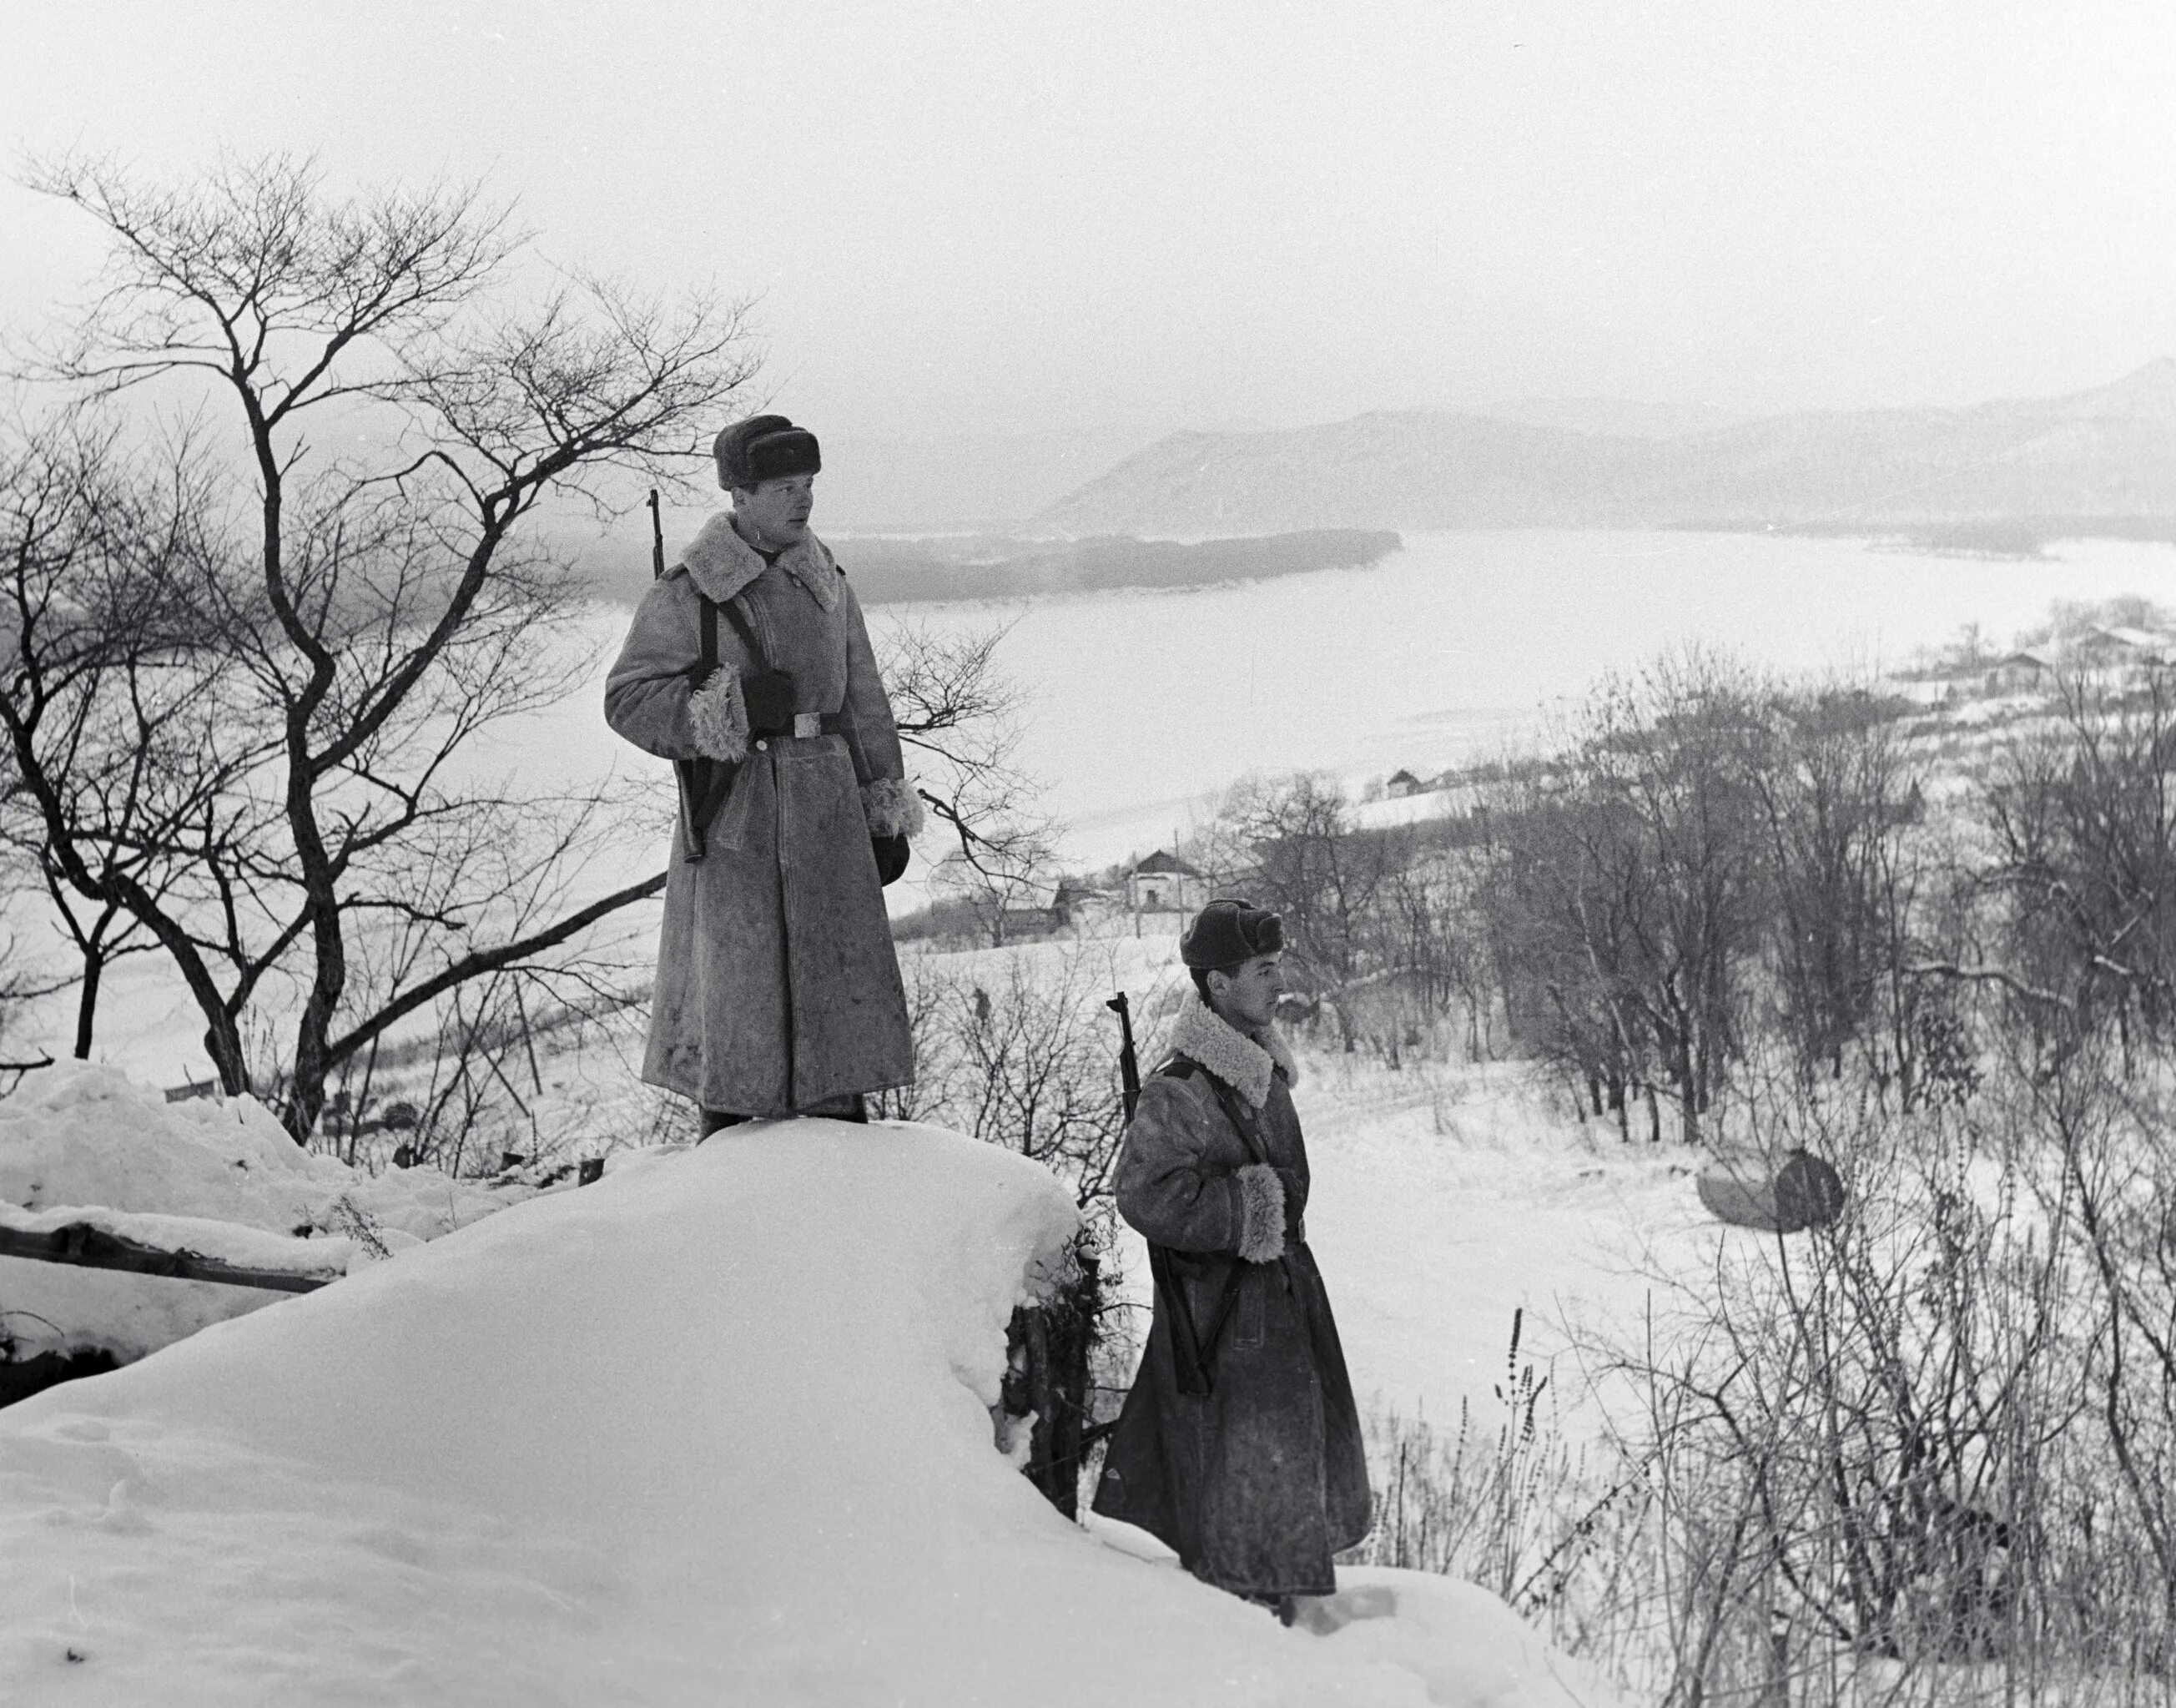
(715, 1430)
(83, 1142)
(1447, 1199)
(435, 1488)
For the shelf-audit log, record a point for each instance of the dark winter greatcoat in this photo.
(778, 988)
(1258, 1483)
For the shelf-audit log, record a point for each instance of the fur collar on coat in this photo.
(1243, 1062)
(722, 563)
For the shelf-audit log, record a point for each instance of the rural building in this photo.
(1401, 784)
(2118, 647)
(2028, 667)
(1165, 883)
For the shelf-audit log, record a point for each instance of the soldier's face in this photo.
(777, 511)
(1250, 992)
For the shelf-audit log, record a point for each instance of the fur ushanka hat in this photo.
(765, 448)
(1230, 931)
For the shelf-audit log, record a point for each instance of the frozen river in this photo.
(1145, 702)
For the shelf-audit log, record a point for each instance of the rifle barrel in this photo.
(1129, 1065)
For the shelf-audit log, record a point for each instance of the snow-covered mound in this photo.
(717, 1429)
(80, 1142)
(81, 1133)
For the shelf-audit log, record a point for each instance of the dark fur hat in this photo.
(1230, 931)
(765, 448)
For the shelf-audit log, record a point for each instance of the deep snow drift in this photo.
(715, 1429)
(81, 1142)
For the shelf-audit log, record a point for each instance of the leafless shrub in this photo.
(1513, 1509)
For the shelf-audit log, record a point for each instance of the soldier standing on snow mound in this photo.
(1239, 1445)
(749, 664)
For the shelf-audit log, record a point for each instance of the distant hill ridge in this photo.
(2105, 454)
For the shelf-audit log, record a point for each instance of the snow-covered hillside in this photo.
(715, 1430)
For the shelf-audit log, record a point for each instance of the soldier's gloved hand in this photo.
(1295, 1204)
(770, 697)
(891, 853)
(1262, 1213)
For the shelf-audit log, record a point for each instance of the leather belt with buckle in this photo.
(806, 725)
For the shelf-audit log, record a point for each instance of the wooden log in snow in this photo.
(93, 1247)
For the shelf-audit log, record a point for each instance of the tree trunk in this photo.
(86, 1005)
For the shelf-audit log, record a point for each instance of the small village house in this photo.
(1165, 883)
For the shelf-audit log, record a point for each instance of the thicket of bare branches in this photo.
(959, 716)
(1924, 1452)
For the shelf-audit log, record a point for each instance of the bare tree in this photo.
(1834, 803)
(116, 721)
(1294, 838)
(959, 717)
(386, 603)
(2083, 822)
(1668, 762)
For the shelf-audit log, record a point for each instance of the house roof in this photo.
(1403, 777)
(1160, 864)
(2144, 639)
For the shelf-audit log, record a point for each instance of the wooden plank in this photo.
(93, 1247)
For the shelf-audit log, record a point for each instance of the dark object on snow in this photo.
(891, 853)
(1259, 1482)
(1047, 1373)
(22, 1378)
(1803, 1192)
(93, 1247)
(591, 1172)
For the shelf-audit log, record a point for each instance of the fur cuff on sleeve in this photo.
(893, 807)
(720, 716)
(1262, 1208)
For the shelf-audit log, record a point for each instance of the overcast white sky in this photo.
(1055, 216)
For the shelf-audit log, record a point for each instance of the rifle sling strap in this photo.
(705, 783)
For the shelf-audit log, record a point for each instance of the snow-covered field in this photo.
(716, 1430)
(430, 1481)
(324, 1453)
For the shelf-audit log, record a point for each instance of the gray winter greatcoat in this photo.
(778, 988)
(1258, 1483)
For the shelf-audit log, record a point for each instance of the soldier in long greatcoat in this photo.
(1239, 1444)
(778, 988)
